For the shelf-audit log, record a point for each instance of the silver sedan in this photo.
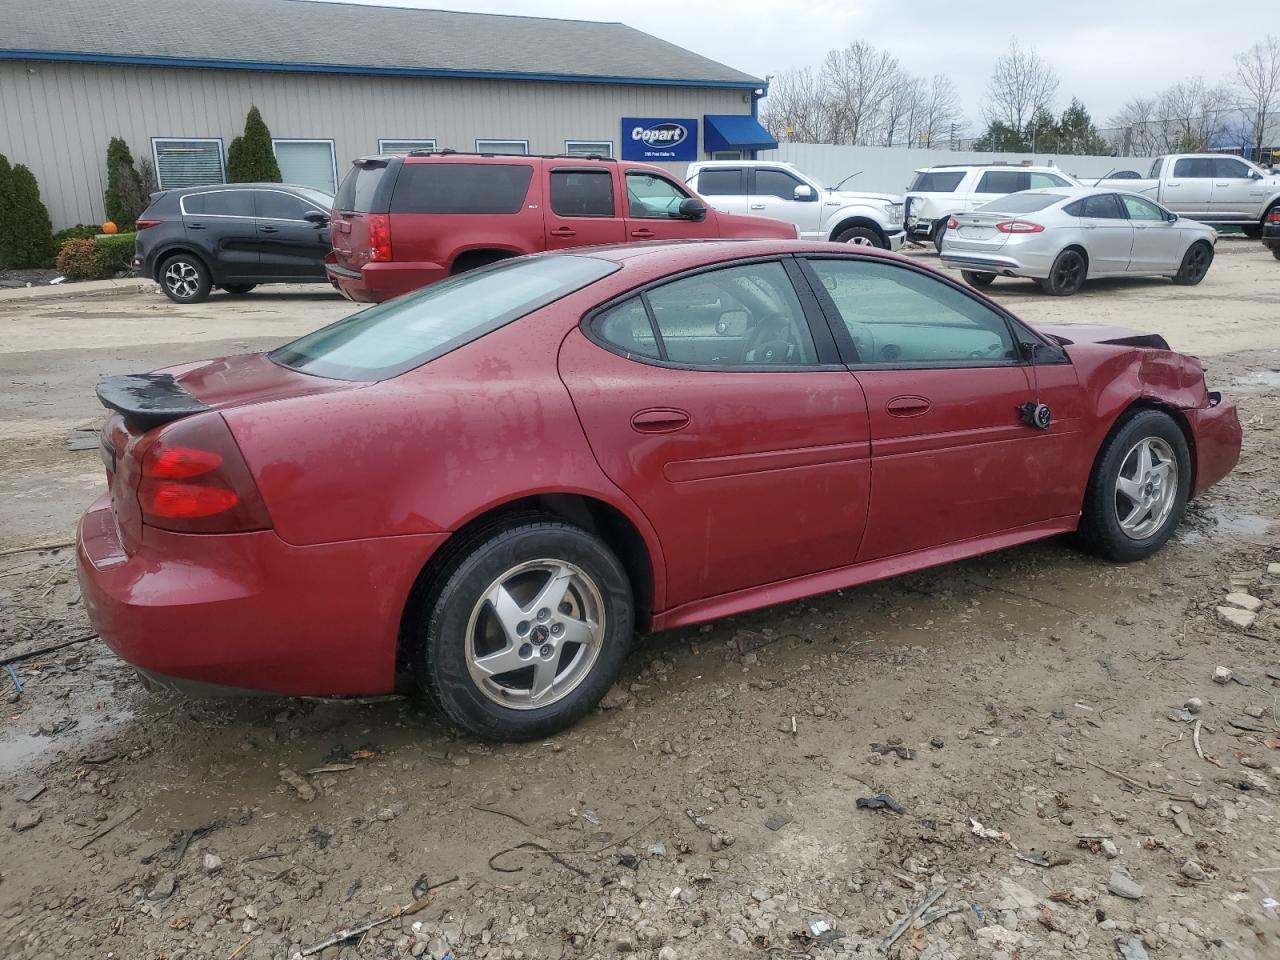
(1060, 236)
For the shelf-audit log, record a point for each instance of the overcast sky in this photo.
(1103, 52)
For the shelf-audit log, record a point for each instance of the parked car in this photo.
(232, 236)
(1210, 187)
(771, 189)
(402, 222)
(493, 482)
(940, 192)
(1062, 236)
(1271, 232)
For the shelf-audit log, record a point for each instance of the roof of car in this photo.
(308, 36)
(713, 250)
(1034, 167)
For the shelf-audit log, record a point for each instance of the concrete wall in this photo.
(58, 117)
(891, 169)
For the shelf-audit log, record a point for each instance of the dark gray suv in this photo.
(234, 236)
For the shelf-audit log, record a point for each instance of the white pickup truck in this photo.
(1213, 188)
(767, 188)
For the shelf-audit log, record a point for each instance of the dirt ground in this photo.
(1025, 706)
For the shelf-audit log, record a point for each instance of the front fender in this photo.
(865, 213)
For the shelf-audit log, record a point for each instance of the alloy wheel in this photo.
(1197, 264)
(1068, 272)
(1146, 488)
(535, 634)
(861, 241)
(182, 279)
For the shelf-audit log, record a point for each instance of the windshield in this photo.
(386, 340)
(1021, 203)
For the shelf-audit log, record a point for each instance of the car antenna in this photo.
(846, 180)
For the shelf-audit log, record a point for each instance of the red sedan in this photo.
(489, 485)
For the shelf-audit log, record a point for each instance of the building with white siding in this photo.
(337, 81)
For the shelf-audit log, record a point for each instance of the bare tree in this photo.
(796, 108)
(858, 80)
(1138, 133)
(938, 116)
(1021, 85)
(898, 120)
(1193, 115)
(1257, 83)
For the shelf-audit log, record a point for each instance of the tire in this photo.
(238, 289)
(185, 279)
(975, 278)
(939, 231)
(1252, 230)
(1136, 536)
(862, 237)
(1067, 274)
(1276, 253)
(461, 626)
(1195, 264)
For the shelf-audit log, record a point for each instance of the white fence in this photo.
(890, 169)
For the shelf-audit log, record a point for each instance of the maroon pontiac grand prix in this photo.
(486, 487)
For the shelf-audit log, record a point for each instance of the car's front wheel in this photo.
(238, 289)
(185, 279)
(1195, 264)
(977, 278)
(1139, 487)
(861, 237)
(528, 631)
(939, 233)
(1067, 274)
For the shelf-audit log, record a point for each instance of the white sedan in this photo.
(1061, 236)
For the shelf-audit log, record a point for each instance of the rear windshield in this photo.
(386, 340)
(435, 187)
(936, 182)
(358, 188)
(1021, 203)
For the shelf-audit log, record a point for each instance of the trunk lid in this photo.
(979, 229)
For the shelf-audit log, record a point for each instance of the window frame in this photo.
(672, 181)
(828, 354)
(1192, 176)
(1115, 198)
(570, 144)
(333, 156)
(155, 157)
(215, 188)
(295, 196)
(503, 140)
(977, 187)
(753, 175)
(1227, 158)
(1122, 197)
(421, 140)
(742, 181)
(1019, 332)
(594, 171)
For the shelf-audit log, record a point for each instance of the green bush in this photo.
(81, 231)
(26, 236)
(96, 258)
(251, 158)
(125, 197)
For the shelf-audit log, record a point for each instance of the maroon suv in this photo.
(402, 222)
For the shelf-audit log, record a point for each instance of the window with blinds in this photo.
(308, 163)
(187, 163)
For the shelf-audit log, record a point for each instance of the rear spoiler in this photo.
(147, 400)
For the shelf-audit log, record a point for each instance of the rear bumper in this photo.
(1001, 264)
(375, 282)
(249, 611)
(1217, 434)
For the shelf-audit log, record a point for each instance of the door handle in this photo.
(1221, 183)
(659, 420)
(1089, 226)
(644, 233)
(268, 229)
(757, 206)
(908, 406)
(563, 232)
(1173, 183)
(195, 226)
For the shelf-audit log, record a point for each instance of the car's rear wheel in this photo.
(185, 279)
(1067, 274)
(1276, 253)
(1251, 230)
(976, 278)
(528, 631)
(861, 237)
(1139, 487)
(238, 289)
(939, 231)
(1195, 264)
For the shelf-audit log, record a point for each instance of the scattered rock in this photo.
(1133, 949)
(1193, 871)
(163, 888)
(617, 698)
(27, 820)
(1244, 601)
(304, 790)
(1193, 705)
(667, 953)
(1236, 617)
(1123, 886)
(777, 821)
(1221, 674)
(1110, 850)
(212, 863)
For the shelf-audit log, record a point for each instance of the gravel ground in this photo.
(1025, 713)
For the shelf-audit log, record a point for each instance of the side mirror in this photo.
(1171, 216)
(1254, 175)
(804, 192)
(316, 217)
(692, 208)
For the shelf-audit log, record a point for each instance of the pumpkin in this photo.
(110, 227)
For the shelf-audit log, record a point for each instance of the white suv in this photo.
(766, 188)
(940, 191)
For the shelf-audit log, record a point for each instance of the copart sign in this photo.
(659, 138)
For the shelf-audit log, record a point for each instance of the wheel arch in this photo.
(1078, 248)
(845, 220)
(162, 256)
(1147, 402)
(471, 258)
(622, 535)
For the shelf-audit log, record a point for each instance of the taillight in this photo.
(1274, 216)
(1019, 226)
(195, 480)
(144, 224)
(379, 237)
(953, 224)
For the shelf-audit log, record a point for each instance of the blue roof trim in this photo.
(72, 56)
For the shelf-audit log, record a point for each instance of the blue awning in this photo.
(735, 132)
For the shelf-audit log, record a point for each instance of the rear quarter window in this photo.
(1021, 203)
(937, 182)
(1003, 181)
(461, 188)
(359, 188)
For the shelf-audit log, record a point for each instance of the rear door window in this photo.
(582, 193)
(937, 181)
(1194, 168)
(1003, 181)
(359, 188)
(220, 203)
(461, 188)
(1105, 206)
(722, 182)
